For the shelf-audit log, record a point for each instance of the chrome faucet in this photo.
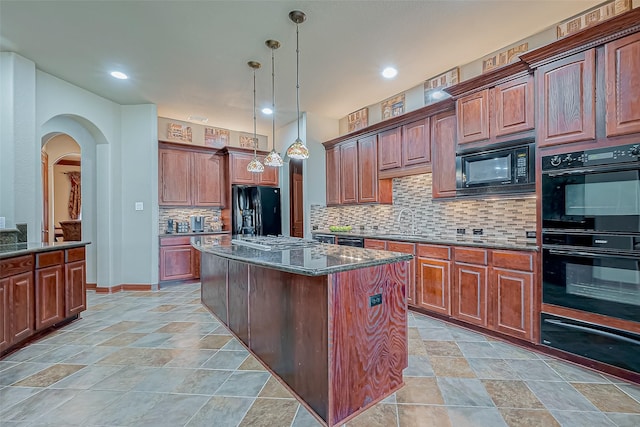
(413, 218)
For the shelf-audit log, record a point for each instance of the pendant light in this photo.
(273, 158)
(254, 165)
(297, 150)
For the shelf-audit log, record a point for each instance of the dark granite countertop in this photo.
(474, 241)
(317, 259)
(17, 249)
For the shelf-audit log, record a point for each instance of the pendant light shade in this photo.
(254, 165)
(273, 158)
(298, 150)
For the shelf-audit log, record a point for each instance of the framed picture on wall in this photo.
(392, 107)
(217, 138)
(180, 132)
(358, 120)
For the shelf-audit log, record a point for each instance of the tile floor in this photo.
(160, 359)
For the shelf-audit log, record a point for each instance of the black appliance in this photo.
(357, 242)
(256, 210)
(596, 342)
(591, 248)
(505, 170)
(325, 238)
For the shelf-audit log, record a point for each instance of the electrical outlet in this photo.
(314, 227)
(477, 231)
(362, 228)
(530, 234)
(461, 231)
(375, 227)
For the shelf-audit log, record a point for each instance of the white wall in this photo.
(37, 106)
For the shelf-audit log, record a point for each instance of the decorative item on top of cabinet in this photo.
(566, 89)
(622, 77)
(443, 146)
(405, 150)
(189, 177)
(407, 248)
(238, 173)
(434, 278)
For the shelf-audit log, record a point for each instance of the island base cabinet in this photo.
(338, 341)
(49, 296)
(17, 321)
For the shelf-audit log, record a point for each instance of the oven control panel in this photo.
(599, 156)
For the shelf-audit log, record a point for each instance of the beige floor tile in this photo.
(49, 376)
(420, 390)
(528, 418)
(451, 367)
(608, 397)
(423, 415)
(176, 327)
(443, 349)
(251, 364)
(270, 413)
(214, 341)
(273, 388)
(511, 394)
(382, 414)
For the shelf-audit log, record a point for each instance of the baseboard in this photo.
(124, 287)
(91, 286)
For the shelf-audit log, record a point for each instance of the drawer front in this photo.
(75, 254)
(513, 260)
(407, 248)
(175, 241)
(471, 256)
(17, 265)
(434, 251)
(375, 244)
(47, 259)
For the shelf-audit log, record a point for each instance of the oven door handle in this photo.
(571, 172)
(592, 331)
(589, 254)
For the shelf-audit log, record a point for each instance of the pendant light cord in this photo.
(273, 100)
(298, 78)
(255, 137)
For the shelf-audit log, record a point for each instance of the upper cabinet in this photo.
(189, 177)
(358, 180)
(405, 150)
(238, 173)
(497, 114)
(622, 77)
(567, 93)
(443, 146)
(333, 175)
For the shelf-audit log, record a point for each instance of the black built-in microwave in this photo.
(504, 170)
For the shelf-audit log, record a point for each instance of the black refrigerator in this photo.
(256, 210)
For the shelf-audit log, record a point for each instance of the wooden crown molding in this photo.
(488, 79)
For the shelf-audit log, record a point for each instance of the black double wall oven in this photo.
(591, 253)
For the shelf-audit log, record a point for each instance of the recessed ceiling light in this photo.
(119, 75)
(267, 110)
(389, 73)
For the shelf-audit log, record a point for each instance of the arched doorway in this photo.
(61, 185)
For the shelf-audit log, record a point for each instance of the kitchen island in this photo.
(329, 321)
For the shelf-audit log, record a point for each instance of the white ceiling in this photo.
(190, 57)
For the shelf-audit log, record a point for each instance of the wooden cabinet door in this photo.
(433, 285)
(416, 143)
(6, 314)
(514, 107)
(208, 180)
(75, 288)
(470, 294)
(333, 175)
(177, 263)
(50, 291)
(174, 167)
(512, 296)
(368, 170)
(622, 77)
(349, 172)
(473, 117)
(566, 90)
(443, 165)
(238, 169)
(269, 177)
(407, 248)
(21, 293)
(375, 244)
(390, 149)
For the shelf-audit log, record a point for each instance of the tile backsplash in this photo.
(183, 214)
(500, 218)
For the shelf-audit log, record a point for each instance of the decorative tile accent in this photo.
(501, 218)
(183, 214)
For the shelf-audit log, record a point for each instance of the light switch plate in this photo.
(139, 206)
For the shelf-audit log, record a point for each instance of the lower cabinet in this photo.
(50, 289)
(178, 259)
(490, 288)
(38, 291)
(407, 248)
(433, 278)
